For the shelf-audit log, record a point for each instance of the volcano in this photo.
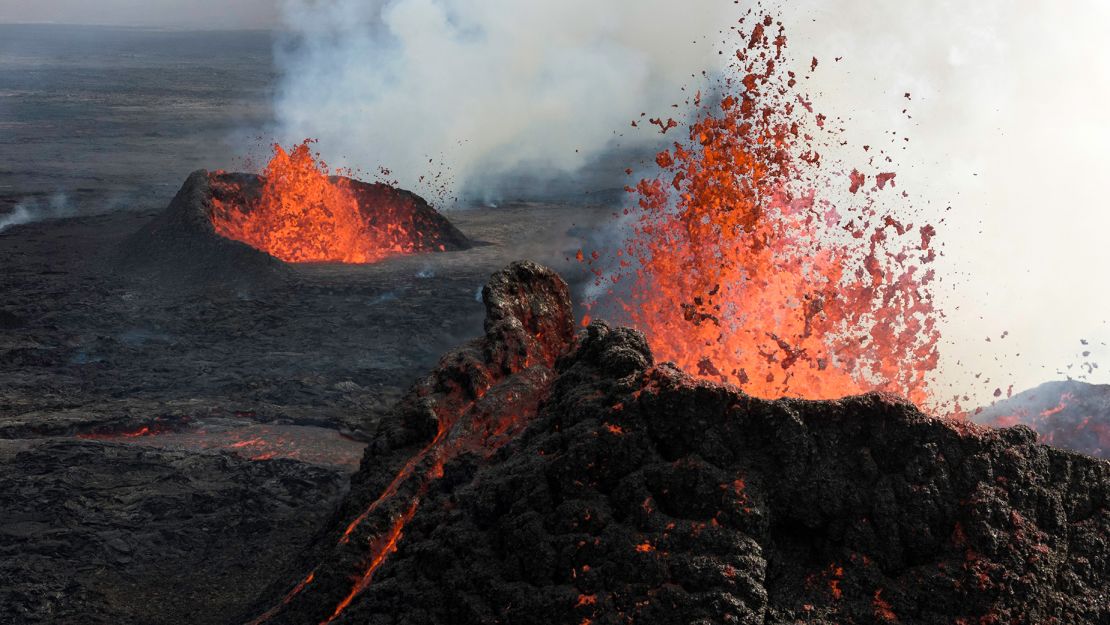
(237, 229)
(539, 477)
(298, 212)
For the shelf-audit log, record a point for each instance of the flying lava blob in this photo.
(752, 260)
(299, 212)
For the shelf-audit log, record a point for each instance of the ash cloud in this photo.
(487, 90)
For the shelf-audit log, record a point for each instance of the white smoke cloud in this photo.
(1006, 119)
(487, 87)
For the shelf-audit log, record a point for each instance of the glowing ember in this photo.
(740, 270)
(303, 214)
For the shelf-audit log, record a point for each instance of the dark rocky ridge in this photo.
(634, 493)
(474, 402)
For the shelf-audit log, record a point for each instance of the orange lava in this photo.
(305, 215)
(381, 550)
(883, 611)
(1065, 399)
(743, 271)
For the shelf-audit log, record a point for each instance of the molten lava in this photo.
(743, 272)
(480, 398)
(304, 214)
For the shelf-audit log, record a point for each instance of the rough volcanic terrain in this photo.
(209, 431)
(636, 494)
(1071, 415)
(98, 532)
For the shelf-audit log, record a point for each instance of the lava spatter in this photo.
(753, 259)
(303, 213)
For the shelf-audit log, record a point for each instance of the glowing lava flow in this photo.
(476, 435)
(480, 397)
(305, 215)
(742, 273)
(401, 476)
(385, 545)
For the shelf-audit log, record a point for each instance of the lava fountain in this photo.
(743, 269)
(299, 212)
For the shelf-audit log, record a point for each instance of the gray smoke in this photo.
(486, 88)
(1006, 123)
(28, 211)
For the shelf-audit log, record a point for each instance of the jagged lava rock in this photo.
(477, 399)
(629, 492)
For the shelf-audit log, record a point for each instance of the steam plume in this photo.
(485, 87)
(30, 211)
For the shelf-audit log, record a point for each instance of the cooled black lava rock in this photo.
(477, 399)
(98, 533)
(10, 320)
(636, 494)
(1071, 415)
(180, 248)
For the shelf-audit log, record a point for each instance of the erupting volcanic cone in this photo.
(297, 212)
(235, 229)
(533, 478)
(753, 257)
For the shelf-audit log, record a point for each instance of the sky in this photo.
(187, 14)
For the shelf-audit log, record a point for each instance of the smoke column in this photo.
(1007, 131)
(485, 87)
(30, 211)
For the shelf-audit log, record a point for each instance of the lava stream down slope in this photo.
(539, 477)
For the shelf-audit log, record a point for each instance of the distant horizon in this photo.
(150, 27)
(150, 14)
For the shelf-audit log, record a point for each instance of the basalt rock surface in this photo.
(601, 488)
(101, 533)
